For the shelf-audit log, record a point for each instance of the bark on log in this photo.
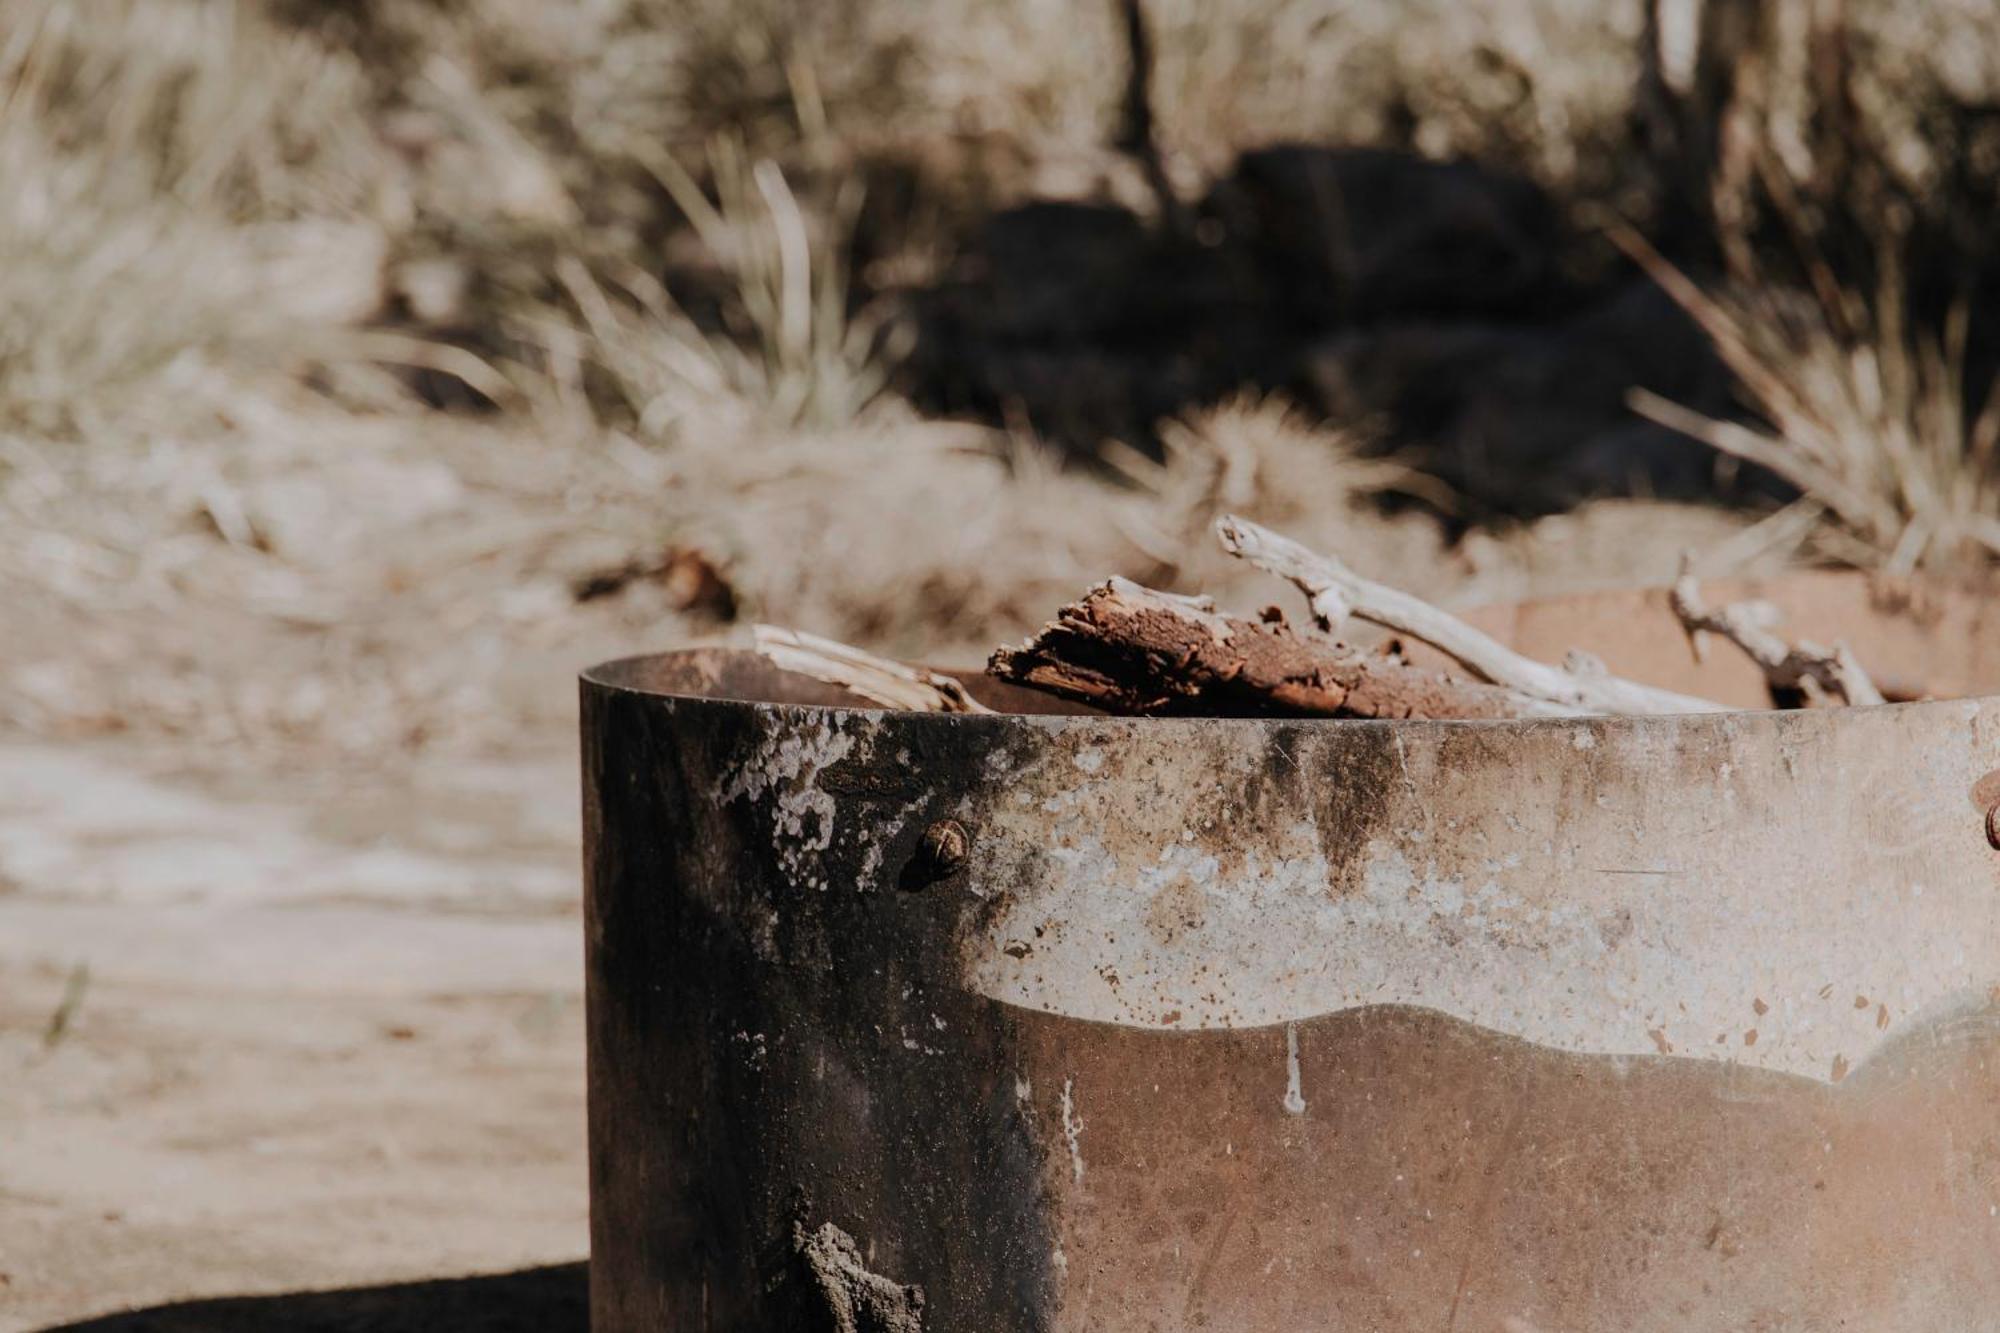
(1129, 649)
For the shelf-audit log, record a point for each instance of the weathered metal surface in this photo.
(1079, 1022)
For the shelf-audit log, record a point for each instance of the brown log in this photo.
(1129, 649)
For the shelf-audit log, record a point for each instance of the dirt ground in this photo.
(366, 371)
(323, 1034)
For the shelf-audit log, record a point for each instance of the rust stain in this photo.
(1176, 909)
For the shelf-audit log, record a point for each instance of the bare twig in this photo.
(1137, 134)
(1803, 666)
(64, 1017)
(877, 679)
(1336, 592)
(1129, 649)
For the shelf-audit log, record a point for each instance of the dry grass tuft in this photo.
(790, 351)
(176, 180)
(926, 536)
(1867, 416)
(1259, 456)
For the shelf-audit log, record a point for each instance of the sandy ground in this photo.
(270, 1036)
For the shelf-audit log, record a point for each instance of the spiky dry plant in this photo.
(1259, 454)
(1872, 421)
(792, 352)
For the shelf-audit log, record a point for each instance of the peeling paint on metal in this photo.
(782, 767)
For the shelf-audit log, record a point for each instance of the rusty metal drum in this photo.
(1035, 1021)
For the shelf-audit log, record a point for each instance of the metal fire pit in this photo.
(1033, 1021)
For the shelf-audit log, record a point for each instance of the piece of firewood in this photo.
(1130, 649)
(876, 679)
(1803, 667)
(1336, 592)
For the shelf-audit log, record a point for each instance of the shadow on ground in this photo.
(554, 1299)
(1451, 306)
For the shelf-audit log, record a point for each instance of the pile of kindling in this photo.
(1125, 648)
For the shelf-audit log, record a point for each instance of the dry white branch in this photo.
(877, 679)
(1748, 625)
(1336, 592)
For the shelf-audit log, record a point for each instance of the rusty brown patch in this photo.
(865, 778)
(1176, 908)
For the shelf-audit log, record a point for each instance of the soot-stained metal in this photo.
(1029, 1021)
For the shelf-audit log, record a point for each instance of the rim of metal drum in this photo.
(1784, 890)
